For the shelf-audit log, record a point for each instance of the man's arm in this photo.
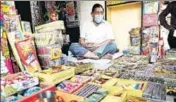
(163, 15)
(106, 42)
(82, 42)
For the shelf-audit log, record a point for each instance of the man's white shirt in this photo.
(97, 33)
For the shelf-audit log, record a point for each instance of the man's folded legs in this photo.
(79, 51)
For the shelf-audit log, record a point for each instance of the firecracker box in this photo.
(132, 87)
(121, 97)
(14, 83)
(50, 76)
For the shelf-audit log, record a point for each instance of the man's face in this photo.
(54, 17)
(98, 11)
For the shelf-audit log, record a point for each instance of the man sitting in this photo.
(96, 38)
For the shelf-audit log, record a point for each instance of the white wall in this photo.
(85, 10)
(123, 18)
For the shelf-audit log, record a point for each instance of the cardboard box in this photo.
(110, 98)
(135, 99)
(69, 97)
(124, 85)
(13, 83)
(70, 87)
(55, 77)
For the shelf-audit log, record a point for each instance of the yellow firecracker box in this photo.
(135, 99)
(111, 98)
(50, 77)
(124, 85)
(69, 97)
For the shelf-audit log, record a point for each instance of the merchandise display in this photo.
(49, 44)
(89, 73)
(101, 80)
(150, 29)
(14, 36)
(55, 75)
(135, 40)
(30, 91)
(132, 87)
(97, 96)
(115, 98)
(87, 90)
(150, 7)
(80, 79)
(109, 73)
(69, 87)
(150, 20)
(11, 84)
(155, 91)
(64, 96)
(136, 99)
(10, 99)
(48, 49)
(36, 66)
(27, 53)
(171, 54)
(6, 65)
(80, 67)
(8, 8)
(26, 27)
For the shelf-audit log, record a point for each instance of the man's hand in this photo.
(96, 45)
(92, 46)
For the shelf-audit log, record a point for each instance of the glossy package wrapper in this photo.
(13, 83)
(27, 53)
(155, 91)
(87, 90)
(80, 67)
(171, 54)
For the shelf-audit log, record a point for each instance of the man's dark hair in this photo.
(96, 6)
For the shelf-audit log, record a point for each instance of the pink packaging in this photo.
(150, 20)
(9, 65)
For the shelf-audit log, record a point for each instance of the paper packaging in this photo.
(111, 98)
(12, 24)
(80, 67)
(13, 83)
(50, 77)
(151, 7)
(171, 54)
(49, 48)
(26, 27)
(49, 38)
(87, 90)
(155, 91)
(137, 99)
(150, 20)
(130, 86)
(50, 26)
(69, 87)
(26, 51)
(69, 97)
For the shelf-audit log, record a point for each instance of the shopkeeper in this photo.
(171, 8)
(96, 38)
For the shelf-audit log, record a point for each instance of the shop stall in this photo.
(142, 71)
